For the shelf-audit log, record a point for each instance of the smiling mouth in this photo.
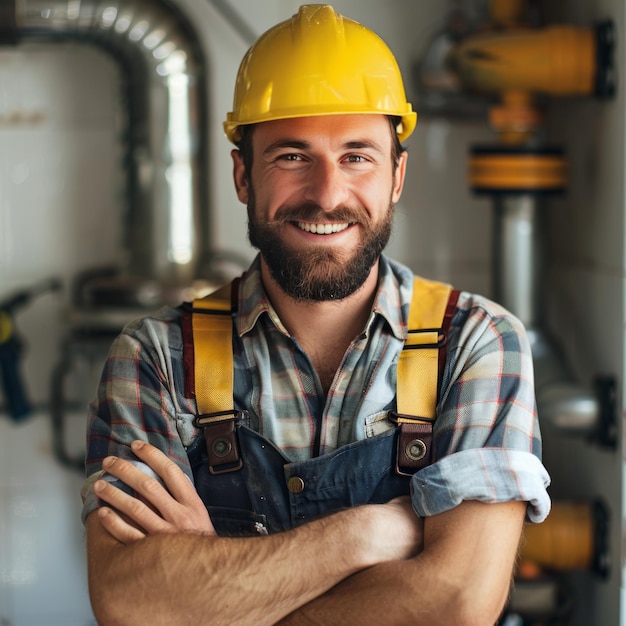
(322, 229)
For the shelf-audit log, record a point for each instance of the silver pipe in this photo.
(518, 285)
(161, 63)
(518, 248)
(561, 403)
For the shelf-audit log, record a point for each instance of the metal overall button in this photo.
(295, 484)
(221, 447)
(416, 450)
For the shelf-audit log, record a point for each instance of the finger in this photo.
(184, 508)
(189, 515)
(136, 510)
(178, 484)
(138, 479)
(180, 505)
(121, 530)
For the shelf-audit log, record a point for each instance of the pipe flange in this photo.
(517, 169)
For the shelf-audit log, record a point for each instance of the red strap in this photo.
(445, 326)
(188, 353)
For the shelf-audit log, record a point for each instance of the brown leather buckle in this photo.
(414, 443)
(220, 435)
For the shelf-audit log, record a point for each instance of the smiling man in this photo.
(339, 188)
(322, 493)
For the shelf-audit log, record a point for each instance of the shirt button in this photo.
(295, 484)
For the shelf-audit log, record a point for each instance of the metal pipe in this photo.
(518, 249)
(163, 73)
(518, 254)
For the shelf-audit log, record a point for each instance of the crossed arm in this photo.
(161, 562)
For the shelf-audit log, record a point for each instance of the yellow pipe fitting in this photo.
(565, 540)
(516, 119)
(498, 170)
(558, 61)
(507, 12)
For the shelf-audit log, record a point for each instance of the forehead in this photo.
(332, 131)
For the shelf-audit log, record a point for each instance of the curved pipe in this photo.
(161, 63)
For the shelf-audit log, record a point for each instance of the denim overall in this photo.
(265, 492)
(269, 494)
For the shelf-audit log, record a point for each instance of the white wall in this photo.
(60, 188)
(59, 205)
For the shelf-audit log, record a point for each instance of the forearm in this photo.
(389, 593)
(191, 578)
(462, 577)
(383, 594)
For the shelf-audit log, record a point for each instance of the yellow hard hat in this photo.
(318, 63)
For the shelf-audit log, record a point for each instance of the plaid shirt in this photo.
(487, 444)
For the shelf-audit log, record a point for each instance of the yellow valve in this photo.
(557, 61)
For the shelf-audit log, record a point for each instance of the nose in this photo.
(326, 186)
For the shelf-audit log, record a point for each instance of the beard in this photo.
(319, 273)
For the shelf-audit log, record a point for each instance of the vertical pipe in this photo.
(518, 282)
(518, 250)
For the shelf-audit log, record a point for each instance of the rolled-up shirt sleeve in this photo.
(487, 443)
(139, 397)
(486, 475)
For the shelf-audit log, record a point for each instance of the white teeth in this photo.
(322, 229)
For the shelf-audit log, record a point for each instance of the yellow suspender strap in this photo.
(418, 372)
(213, 352)
(212, 326)
(418, 365)
(417, 378)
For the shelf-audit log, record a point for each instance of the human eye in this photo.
(355, 158)
(289, 160)
(358, 160)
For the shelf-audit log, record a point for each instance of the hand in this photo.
(156, 509)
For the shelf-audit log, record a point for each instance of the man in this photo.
(320, 320)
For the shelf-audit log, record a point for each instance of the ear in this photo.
(240, 177)
(398, 182)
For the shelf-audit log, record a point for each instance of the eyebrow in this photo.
(281, 144)
(298, 144)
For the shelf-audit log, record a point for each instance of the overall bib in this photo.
(270, 494)
(246, 482)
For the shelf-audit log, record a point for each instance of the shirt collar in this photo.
(393, 296)
(395, 285)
